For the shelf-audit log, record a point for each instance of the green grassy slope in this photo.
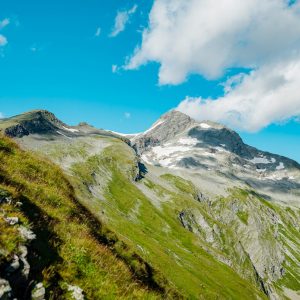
(70, 247)
(156, 233)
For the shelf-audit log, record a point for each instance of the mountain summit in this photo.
(33, 122)
(181, 138)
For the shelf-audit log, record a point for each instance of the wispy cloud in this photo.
(121, 20)
(98, 32)
(114, 68)
(4, 23)
(127, 115)
(36, 48)
(3, 40)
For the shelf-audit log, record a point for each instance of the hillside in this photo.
(48, 238)
(186, 207)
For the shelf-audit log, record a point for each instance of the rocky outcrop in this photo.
(39, 292)
(36, 122)
(5, 290)
(168, 126)
(16, 131)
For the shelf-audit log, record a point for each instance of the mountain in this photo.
(188, 207)
(177, 142)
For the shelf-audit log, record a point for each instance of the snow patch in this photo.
(70, 129)
(125, 134)
(188, 141)
(63, 134)
(205, 126)
(280, 166)
(261, 160)
(159, 122)
(160, 151)
(261, 170)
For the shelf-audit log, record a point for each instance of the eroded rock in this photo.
(38, 292)
(26, 233)
(5, 290)
(77, 292)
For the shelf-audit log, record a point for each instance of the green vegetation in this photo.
(70, 242)
(243, 216)
(184, 186)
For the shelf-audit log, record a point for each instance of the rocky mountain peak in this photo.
(176, 140)
(175, 123)
(36, 121)
(165, 128)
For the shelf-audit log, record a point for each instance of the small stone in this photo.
(12, 220)
(77, 292)
(38, 292)
(5, 199)
(23, 258)
(26, 233)
(5, 290)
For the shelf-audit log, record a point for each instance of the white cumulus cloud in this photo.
(210, 37)
(207, 37)
(121, 20)
(265, 96)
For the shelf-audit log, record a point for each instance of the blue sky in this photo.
(54, 60)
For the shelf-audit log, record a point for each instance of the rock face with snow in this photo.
(176, 141)
(177, 131)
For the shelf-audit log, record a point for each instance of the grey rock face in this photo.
(40, 122)
(16, 131)
(210, 136)
(168, 126)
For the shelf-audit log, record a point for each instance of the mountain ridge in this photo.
(43, 121)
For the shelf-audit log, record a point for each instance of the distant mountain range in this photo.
(200, 214)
